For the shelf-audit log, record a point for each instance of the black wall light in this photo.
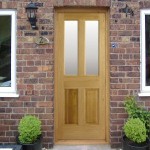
(31, 10)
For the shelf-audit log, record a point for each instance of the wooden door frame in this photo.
(87, 10)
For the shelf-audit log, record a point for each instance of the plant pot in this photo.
(37, 145)
(129, 145)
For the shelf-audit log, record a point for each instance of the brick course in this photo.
(35, 66)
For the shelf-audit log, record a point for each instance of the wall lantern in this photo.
(31, 10)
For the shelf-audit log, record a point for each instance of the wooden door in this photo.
(80, 75)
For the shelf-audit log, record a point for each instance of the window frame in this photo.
(11, 91)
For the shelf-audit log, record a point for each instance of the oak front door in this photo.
(80, 75)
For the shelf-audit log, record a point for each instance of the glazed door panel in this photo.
(80, 76)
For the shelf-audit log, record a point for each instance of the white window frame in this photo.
(11, 91)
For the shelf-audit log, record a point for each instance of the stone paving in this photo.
(82, 147)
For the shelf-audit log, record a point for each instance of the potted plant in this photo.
(137, 127)
(137, 111)
(30, 133)
(135, 137)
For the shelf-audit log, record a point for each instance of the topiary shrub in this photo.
(135, 130)
(29, 129)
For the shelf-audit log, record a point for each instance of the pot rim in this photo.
(133, 146)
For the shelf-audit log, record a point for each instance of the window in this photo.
(8, 53)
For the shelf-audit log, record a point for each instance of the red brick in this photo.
(4, 128)
(17, 116)
(30, 69)
(114, 80)
(133, 27)
(117, 27)
(103, 3)
(16, 104)
(118, 86)
(30, 63)
(133, 86)
(4, 139)
(3, 104)
(117, 74)
(125, 68)
(45, 104)
(117, 62)
(122, 116)
(117, 98)
(117, 110)
(20, 110)
(115, 140)
(40, 110)
(145, 4)
(133, 74)
(123, 92)
(9, 110)
(115, 133)
(126, 45)
(46, 116)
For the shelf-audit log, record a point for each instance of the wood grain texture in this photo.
(71, 106)
(80, 101)
(92, 106)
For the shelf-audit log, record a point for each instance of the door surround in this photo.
(107, 94)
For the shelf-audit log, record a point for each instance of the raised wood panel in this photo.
(92, 106)
(71, 106)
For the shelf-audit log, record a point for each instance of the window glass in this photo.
(8, 53)
(91, 47)
(147, 50)
(5, 51)
(71, 47)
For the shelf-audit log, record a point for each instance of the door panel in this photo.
(71, 106)
(92, 103)
(80, 73)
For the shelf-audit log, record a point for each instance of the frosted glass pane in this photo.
(71, 47)
(91, 47)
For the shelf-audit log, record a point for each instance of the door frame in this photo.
(107, 94)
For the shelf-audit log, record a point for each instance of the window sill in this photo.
(9, 95)
(144, 94)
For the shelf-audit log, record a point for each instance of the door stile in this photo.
(60, 71)
(102, 68)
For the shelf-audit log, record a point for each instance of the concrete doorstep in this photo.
(82, 147)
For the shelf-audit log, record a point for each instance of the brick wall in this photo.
(35, 66)
(124, 63)
(35, 74)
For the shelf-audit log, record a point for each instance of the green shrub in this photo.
(135, 130)
(136, 111)
(29, 129)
